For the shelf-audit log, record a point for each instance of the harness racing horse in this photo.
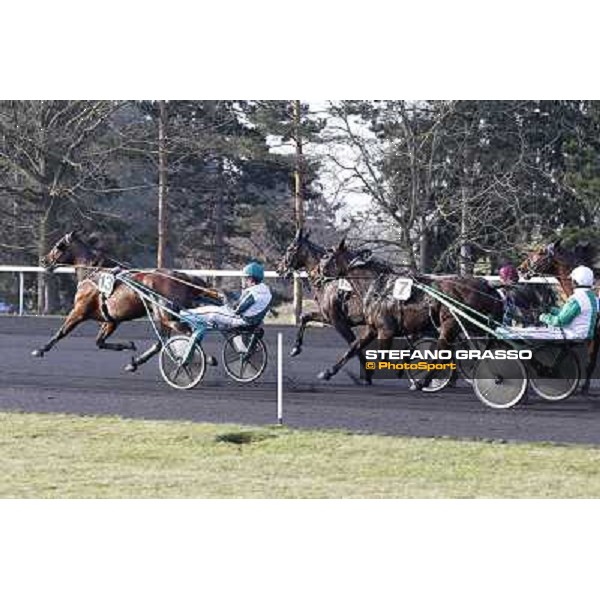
(387, 317)
(342, 309)
(554, 260)
(123, 304)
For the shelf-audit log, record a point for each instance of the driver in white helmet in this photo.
(575, 320)
(577, 317)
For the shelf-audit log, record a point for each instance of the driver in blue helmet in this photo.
(251, 308)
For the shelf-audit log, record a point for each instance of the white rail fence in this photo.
(21, 270)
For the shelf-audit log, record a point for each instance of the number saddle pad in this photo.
(402, 289)
(106, 284)
(344, 285)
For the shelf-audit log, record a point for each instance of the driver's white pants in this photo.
(537, 333)
(219, 317)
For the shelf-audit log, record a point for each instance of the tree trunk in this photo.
(465, 266)
(298, 204)
(219, 216)
(42, 277)
(161, 258)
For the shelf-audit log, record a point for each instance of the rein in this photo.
(457, 282)
(96, 270)
(460, 310)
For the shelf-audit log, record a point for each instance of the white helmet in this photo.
(583, 276)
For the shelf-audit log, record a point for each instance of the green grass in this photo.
(58, 456)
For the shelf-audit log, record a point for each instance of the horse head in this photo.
(336, 261)
(543, 261)
(63, 252)
(300, 254)
(72, 250)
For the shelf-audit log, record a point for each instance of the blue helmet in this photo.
(254, 270)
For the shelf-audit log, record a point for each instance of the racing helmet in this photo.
(582, 276)
(254, 270)
(509, 273)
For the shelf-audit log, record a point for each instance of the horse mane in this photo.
(586, 254)
(572, 256)
(97, 256)
(364, 259)
(313, 246)
(576, 252)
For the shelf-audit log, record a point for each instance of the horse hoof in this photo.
(131, 367)
(37, 353)
(211, 361)
(295, 351)
(324, 375)
(132, 346)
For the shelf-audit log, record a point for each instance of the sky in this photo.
(330, 176)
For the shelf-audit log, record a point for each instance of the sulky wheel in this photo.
(466, 366)
(500, 383)
(181, 368)
(244, 356)
(554, 372)
(440, 379)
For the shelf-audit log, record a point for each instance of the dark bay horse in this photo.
(123, 304)
(387, 317)
(554, 260)
(341, 309)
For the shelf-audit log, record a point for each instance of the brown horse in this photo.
(387, 317)
(123, 304)
(554, 260)
(341, 309)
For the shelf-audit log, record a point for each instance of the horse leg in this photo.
(106, 330)
(165, 324)
(386, 339)
(169, 325)
(136, 361)
(73, 319)
(304, 321)
(344, 328)
(367, 337)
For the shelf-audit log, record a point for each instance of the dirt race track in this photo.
(77, 378)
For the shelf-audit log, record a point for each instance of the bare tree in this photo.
(51, 163)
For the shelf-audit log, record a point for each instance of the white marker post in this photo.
(21, 293)
(280, 378)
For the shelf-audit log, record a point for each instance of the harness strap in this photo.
(450, 300)
(454, 308)
(435, 326)
(104, 310)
